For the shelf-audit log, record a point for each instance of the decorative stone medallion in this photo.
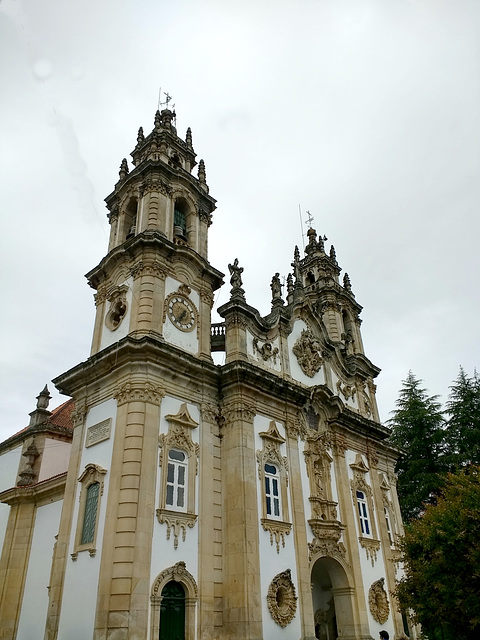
(281, 598)
(378, 601)
(308, 351)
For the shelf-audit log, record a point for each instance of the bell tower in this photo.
(156, 279)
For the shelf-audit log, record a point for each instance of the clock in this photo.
(182, 312)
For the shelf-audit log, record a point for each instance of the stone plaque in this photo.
(98, 432)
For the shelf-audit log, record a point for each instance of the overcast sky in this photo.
(364, 112)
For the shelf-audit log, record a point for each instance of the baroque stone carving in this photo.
(117, 296)
(148, 267)
(278, 530)
(176, 522)
(347, 391)
(139, 391)
(308, 352)
(281, 598)
(238, 411)
(266, 351)
(326, 547)
(378, 601)
(178, 573)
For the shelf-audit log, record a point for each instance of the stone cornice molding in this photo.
(139, 391)
(50, 489)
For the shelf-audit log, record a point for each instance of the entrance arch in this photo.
(172, 612)
(332, 600)
(173, 599)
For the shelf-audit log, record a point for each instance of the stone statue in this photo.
(235, 274)
(276, 287)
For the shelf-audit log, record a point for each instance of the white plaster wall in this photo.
(187, 340)
(295, 370)
(110, 337)
(271, 562)
(35, 599)
(81, 575)
(56, 455)
(256, 357)
(9, 462)
(164, 555)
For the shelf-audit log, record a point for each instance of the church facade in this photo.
(171, 498)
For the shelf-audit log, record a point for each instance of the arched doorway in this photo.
(173, 600)
(172, 612)
(332, 600)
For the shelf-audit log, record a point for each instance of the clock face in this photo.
(181, 312)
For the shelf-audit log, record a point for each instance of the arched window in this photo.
(91, 483)
(172, 612)
(130, 220)
(363, 513)
(272, 491)
(90, 514)
(176, 497)
(180, 220)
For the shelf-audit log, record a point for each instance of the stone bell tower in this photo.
(157, 265)
(137, 400)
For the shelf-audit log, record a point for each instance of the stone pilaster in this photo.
(60, 556)
(124, 583)
(304, 588)
(242, 603)
(210, 533)
(356, 591)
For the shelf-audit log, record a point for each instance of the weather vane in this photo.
(165, 104)
(310, 219)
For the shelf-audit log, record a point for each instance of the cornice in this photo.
(47, 489)
(133, 251)
(162, 358)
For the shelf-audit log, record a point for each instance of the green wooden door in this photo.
(172, 612)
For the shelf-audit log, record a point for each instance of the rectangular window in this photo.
(389, 528)
(272, 491)
(363, 513)
(176, 476)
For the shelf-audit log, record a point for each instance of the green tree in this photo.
(462, 435)
(441, 553)
(417, 427)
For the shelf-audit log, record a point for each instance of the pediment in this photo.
(183, 417)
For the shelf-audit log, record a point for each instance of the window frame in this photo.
(93, 474)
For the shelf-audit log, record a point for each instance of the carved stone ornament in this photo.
(178, 573)
(176, 522)
(266, 351)
(371, 547)
(346, 390)
(378, 601)
(281, 598)
(308, 352)
(278, 530)
(139, 391)
(327, 547)
(118, 307)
